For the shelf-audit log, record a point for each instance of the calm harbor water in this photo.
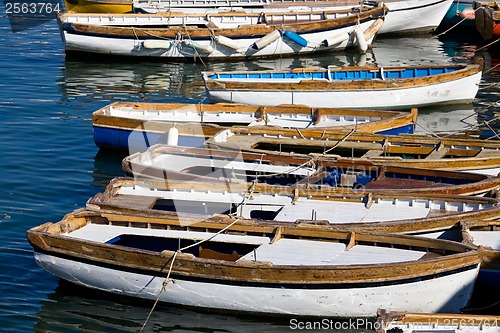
(51, 166)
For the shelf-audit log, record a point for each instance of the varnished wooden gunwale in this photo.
(104, 202)
(448, 256)
(321, 85)
(479, 183)
(103, 117)
(243, 31)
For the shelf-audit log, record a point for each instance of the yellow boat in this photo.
(98, 6)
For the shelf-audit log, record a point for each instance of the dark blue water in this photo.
(51, 166)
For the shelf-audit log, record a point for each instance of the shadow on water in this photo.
(167, 81)
(485, 300)
(71, 308)
(107, 165)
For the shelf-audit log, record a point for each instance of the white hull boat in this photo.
(288, 271)
(349, 87)
(221, 35)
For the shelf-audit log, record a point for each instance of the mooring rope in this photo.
(339, 142)
(167, 279)
(490, 69)
(482, 308)
(484, 46)
(453, 26)
(249, 192)
(196, 53)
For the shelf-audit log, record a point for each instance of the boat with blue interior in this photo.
(350, 86)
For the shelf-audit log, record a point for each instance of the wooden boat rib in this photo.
(418, 151)
(194, 201)
(350, 87)
(208, 165)
(114, 123)
(407, 322)
(221, 35)
(251, 269)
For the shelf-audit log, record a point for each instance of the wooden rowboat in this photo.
(195, 200)
(124, 125)
(348, 87)
(399, 20)
(410, 322)
(209, 165)
(285, 270)
(419, 151)
(222, 36)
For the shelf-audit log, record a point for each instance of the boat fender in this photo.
(360, 39)
(334, 40)
(362, 60)
(295, 37)
(266, 40)
(156, 44)
(198, 47)
(173, 136)
(372, 30)
(468, 14)
(232, 44)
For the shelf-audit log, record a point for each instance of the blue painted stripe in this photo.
(407, 129)
(342, 75)
(113, 138)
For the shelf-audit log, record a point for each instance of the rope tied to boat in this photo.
(246, 196)
(487, 45)
(454, 26)
(339, 142)
(196, 53)
(167, 279)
